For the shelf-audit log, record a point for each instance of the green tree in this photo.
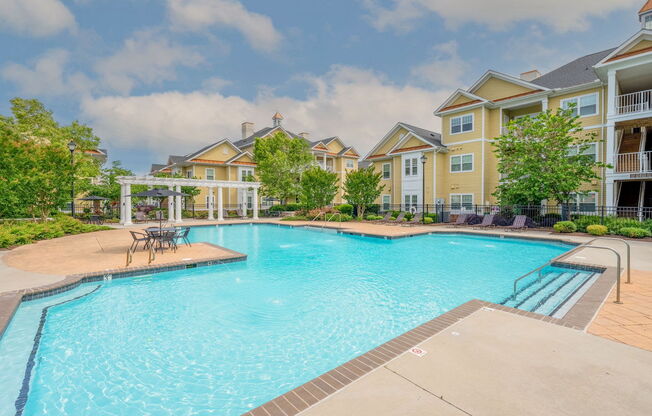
(318, 188)
(281, 161)
(536, 163)
(190, 191)
(35, 168)
(362, 188)
(108, 186)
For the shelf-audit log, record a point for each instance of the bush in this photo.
(295, 218)
(565, 227)
(428, 220)
(408, 216)
(583, 221)
(277, 208)
(597, 229)
(345, 209)
(292, 207)
(374, 217)
(15, 234)
(634, 232)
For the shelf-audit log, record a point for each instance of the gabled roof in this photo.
(176, 159)
(347, 150)
(427, 135)
(156, 167)
(505, 77)
(475, 99)
(621, 51)
(209, 147)
(263, 133)
(238, 156)
(646, 7)
(578, 72)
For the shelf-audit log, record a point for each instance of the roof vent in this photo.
(530, 75)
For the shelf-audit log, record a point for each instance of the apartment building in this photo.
(612, 92)
(232, 160)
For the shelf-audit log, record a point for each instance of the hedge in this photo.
(16, 234)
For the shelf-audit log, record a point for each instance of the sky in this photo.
(161, 77)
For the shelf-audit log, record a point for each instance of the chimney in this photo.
(530, 75)
(247, 129)
(305, 135)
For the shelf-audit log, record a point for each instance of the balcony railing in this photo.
(636, 102)
(634, 162)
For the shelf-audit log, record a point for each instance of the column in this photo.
(177, 203)
(171, 206)
(149, 198)
(220, 206)
(244, 203)
(544, 104)
(127, 205)
(611, 94)
(211, 208)
(610, 142)
(255, 202)
(123, 217)
(610, 195)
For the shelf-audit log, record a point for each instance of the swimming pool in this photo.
(227, 338)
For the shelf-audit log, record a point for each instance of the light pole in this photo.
(423, 189)
(72, 146)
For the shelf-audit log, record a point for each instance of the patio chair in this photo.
(225, 213)
(387, 216)
(416, 219)
(241, 213)
(141, 216)
(461, 220)
(137, 239)
(518, 224)
(398, 220)
(182, 234)
(487, 221)
(169, 238)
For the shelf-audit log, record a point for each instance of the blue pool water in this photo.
(227, 338)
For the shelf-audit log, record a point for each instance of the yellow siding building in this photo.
(612, 91)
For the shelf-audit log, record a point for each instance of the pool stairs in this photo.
(550, 291)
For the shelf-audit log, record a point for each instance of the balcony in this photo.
(636, 102)
(637, 162)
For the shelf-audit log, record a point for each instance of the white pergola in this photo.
(174, 204)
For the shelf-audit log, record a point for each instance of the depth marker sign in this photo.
(418, 351)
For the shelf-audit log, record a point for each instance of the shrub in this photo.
(634, 232)
(277, 208)
(392, 218)
(432, 216)
(597, 229)
(583, 221)
(15, 234)
(295, 218)
(292, 207)
(395, 214)
(373, 217)
(565, 227)
(428, 220)
(408, 216)
(345, 209)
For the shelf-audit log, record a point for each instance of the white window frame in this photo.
(413, 166)
(579, 106)
(414, 201)
(350, 164)
(576, 148)
(189, 174)
(389, 171)
(462, 131)
(383, 203)
(242, 170)
(461, 203)
(575, 205)
(450, 163)
(212, 170)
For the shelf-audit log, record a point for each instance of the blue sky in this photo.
(159, 77)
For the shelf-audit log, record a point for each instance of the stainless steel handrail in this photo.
(581, 246)
(629, 268)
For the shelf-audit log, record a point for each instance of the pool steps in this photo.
(548, 294)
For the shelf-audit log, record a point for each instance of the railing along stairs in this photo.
(151, 255)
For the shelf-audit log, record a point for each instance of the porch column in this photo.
(220, 206)
(544, 104)
(211, 215)
(127, 205)
(255, 202)
(177, 203)
(171, 206)
(150, 201)
(611, 94)
(610, 194)
(123, 216)
(244, 203)
(610, 142)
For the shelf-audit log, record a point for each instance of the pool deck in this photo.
(509, 364)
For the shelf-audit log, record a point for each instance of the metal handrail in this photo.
(629, 268)
(556, 259)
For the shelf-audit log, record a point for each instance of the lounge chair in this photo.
(461, 220)
(518, 224)
(487, 221)
(387, 216)
(398, 220)
(416, 219)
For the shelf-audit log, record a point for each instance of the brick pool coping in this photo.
(293, 402)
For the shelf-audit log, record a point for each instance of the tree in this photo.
(35, 169)
(281, 160)
(536, 161)
(318, 188)
(362, 188)
(107, 186)
(190, 191)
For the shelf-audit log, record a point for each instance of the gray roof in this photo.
(427, 135)
(156, 167)
(261, 133)
(176, 159)
(364, 164)
(577, 72)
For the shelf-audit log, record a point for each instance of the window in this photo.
(210, 174)
(584, 202)
(387, 199)
(461, 201)
(586, 105)
(387, 170)
(189, 174)
(411, 200)
(349, 164)
(209, 201)
(590, 151)
(245, 173)
(462, 124)
(411, 166)
(462, 163)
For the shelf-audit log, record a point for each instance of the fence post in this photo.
(602, 215)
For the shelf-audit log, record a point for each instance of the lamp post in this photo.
(423, 189)
(72, 146)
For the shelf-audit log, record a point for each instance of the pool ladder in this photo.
(324, 215)
(583, 246)
(130, 255)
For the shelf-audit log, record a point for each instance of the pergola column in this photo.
(123, 216)
(220, 205)
(244, 203)
(127, 205)
(171, 206)
(211, 215)
(255, 197)
(177, 208)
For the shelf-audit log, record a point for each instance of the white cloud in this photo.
(147, 57)
(447, 69)
(215, 84)
(561, 15)
(258, 29)
(359, 106)
(47, 77)
(35, 17)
